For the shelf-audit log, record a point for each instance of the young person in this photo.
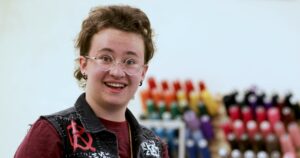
(115, 46)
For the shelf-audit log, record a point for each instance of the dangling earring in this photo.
(141, 83)
(84, 76)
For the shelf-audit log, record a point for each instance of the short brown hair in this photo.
(121, 17)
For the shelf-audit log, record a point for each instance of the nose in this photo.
(116, 70)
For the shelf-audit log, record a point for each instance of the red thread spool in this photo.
(238, 128)
(234, 112)
(247, 114)
(260, 114)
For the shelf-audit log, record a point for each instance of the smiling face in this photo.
(113, 88)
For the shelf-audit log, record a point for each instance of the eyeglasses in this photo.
(130, 66)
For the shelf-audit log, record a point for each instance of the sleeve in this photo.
(42, 141)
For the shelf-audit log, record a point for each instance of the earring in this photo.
(141, 83)
(84, 76)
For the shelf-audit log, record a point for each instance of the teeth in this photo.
(119, 85)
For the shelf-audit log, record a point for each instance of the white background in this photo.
(227, 43)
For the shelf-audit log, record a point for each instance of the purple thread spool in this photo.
(206, 127)
(191, 120)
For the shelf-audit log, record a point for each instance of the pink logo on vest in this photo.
(79, 138)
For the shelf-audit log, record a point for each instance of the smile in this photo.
(115, 85)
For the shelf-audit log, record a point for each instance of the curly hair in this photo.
(121, 17)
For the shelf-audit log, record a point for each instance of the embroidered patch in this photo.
(150, 149)
(79, 138)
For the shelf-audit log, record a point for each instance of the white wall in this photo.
(227, 43)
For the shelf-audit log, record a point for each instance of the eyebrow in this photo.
(111, 51)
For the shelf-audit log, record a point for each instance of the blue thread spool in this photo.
(203, 149)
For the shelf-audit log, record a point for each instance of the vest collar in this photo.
(91, 122)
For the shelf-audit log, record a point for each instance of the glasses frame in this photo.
(140, 67)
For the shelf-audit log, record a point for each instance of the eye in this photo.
(105, 58)
(130, 62)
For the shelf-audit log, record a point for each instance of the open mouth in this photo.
(115, 85)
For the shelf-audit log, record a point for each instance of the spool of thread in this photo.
(296, 109)
(235, 153)
(273, 116)
(157, 96)
(262, 154)
(258, 143)
(223, 152)
(202, 109)
(275, 154)
(169, 98)
(161, 109)
(252, 103)
(260, 114)
(268, 102)
(145, 95)
(272, 143)
(177, 86)
(164, 85)
(206, 127)
(191, 148)
(152, 83)
(287, 115)
(181, 96)
(234, 113)
(194, 100)
(170, 135)
(197, 134)
(244, 142)
(251, 128)
(238, 128)
(247, 114)
(226, 127)
(166, 116)
(286, 144)
(160, 132)
(175, 112)
(211, 104)
(191, 120)
(265, 128)
(189, 87)
(203, 149)
(289, 155)
(231, 138)
(279, 129)
(249, 154)
(294, 132)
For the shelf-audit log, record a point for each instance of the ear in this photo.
(145, 68)
(82, 64)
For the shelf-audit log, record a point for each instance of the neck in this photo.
(108, 112)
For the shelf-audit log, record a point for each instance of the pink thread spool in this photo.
(265, 128)
(286, 144)
(279, 129)
(294, 132)
(273, 115)
(289, 155)
(252, 128)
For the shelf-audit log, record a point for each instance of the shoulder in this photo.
(41, 132)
